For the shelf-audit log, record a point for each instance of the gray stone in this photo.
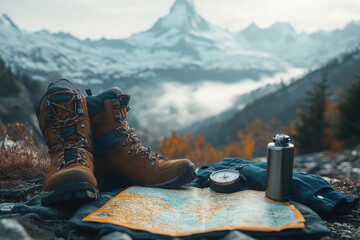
(18, 194)
(6, 208)
(326, 160)
(11, 229)
(340, 159)
(344, 236)
(237, 235)
(116, 236)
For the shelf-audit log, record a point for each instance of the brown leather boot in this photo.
(118, 153)
(65, 125)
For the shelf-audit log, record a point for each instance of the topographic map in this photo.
(192, 210)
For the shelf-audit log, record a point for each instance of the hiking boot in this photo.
(119, 154)
(65, 125)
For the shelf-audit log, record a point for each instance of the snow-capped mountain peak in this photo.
(182, 17)
(281, 27)
(6, 21)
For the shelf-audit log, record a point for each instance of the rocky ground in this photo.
(341, 169)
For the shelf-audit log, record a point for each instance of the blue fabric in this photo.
(308, 189)
(314, 226)
(103, 145)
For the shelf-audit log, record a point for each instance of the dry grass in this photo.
(20, 157)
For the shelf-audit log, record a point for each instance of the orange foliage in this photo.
(197, 149)
(253, 138)
(176, 146)
(332, 117)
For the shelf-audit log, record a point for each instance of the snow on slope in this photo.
(301, 49)
(181, 38)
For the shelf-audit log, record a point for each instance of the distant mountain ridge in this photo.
(181, 46)
(283, 103)
(301, 49)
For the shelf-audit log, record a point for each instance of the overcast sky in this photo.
(121, 18)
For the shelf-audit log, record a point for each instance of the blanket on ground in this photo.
(308, 189)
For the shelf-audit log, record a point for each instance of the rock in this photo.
(237, 235)
(344, 236)
(357, 190)
(11, 229)
(326, 160)
(6, 208)
(356, 171)
(347, 232)
(354, 152)
(116, 236)
(312, 167)
(18, 194)
(341, 158)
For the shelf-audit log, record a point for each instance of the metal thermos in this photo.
(280, 160)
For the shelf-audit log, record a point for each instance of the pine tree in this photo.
(309, 134)
(349, 122)
(8, 84)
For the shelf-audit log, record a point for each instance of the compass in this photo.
(227, 181)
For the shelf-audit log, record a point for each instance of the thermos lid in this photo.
(281, 140)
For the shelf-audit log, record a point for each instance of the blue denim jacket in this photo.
(308, 189)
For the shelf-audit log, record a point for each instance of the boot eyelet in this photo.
(47, 103)
(142, 157)
(124, 144)
(129, 152)
(119, 129)
(153, 162)
(118, 118)
(54, 130)
(80, 111)
(58, 137)
(85, 141)
(82, 125)
(116, 105)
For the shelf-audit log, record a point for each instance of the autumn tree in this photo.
(175, 146)
(203, 152)
(8, 82)
(309, 133)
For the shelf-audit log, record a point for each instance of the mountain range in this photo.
(283, 103)
(173, 69)
(181, 46)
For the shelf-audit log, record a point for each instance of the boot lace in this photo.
(136, 144)
(133, 139)
(75, 117)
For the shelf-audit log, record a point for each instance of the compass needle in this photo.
(226, 181)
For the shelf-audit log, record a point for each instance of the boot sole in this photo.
(187, 176)
(70, 193)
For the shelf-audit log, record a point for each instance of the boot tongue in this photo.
(63, 98)
(64, 102)
(124, 108)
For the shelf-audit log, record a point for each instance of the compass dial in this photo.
(224, 177)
